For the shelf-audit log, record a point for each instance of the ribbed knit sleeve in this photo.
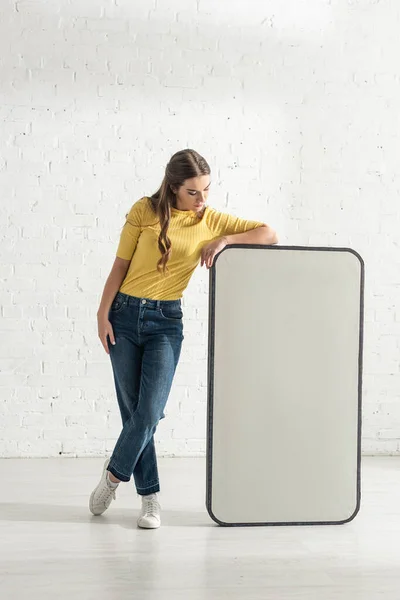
(131, 231)
(225, 224)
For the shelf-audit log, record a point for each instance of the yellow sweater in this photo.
(188, 234)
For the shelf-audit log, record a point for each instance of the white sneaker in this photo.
(103, 494)
(150, 515)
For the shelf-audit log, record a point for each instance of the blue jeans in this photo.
(148, 335)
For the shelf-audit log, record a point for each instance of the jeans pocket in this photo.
(117, 304)
(173, 314)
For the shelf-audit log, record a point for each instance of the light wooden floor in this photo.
(53, 548)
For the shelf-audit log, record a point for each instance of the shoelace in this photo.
(105, 494)
(150, 507)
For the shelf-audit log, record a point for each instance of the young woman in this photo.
(164, 238)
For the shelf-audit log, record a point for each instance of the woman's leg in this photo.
(126, 361)
(134, 451)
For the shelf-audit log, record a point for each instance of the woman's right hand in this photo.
(105, 328)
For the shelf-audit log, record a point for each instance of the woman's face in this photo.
(192, 195)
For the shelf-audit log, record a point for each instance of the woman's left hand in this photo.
(210, 250)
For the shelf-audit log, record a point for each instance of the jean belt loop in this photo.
(158, 304)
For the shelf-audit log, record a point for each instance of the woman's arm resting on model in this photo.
(112, 285)
(260, 235)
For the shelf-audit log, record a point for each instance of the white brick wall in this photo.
(294, 105)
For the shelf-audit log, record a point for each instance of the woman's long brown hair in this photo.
(183, 165)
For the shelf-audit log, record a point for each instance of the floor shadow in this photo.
(124, 517)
